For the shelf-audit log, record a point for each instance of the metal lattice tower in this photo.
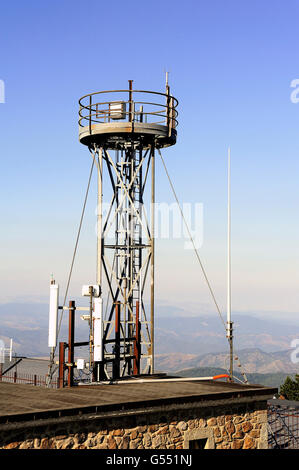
(122, 129)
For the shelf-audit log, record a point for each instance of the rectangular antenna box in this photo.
(96, 291)
(80, 364)
(117, 110)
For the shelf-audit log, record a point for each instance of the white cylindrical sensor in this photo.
(53, 315)
(97, 330)
(2, 352)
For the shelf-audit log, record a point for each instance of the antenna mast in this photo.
(229, 322)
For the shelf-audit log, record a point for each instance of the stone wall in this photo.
(222, 427)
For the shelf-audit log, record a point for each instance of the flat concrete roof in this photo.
(21, 403)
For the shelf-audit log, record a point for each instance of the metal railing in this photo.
(29, 379)
(283, 424)
(128, 106)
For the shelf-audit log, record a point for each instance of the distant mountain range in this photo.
(206, 334)
(252, 361)
(27, 325)
(264, 346)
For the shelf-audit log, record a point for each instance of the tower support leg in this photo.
(72, 308)
(61, 364)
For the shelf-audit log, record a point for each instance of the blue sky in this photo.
(231, 65)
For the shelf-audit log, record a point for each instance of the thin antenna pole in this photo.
(229, 322)
(168, 111)
(152, 259)
(228, 241)
(99, 216)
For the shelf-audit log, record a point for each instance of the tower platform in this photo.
(118, 118)
(115, 135)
